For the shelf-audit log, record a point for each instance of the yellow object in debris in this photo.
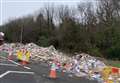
(27, 56)
(19, 55)
(106, 72)
(110, 81)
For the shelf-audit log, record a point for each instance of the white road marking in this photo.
(18, 72)
(21, 72)
(7, 64)
(26, 67)
(2, 75)
(16, 63)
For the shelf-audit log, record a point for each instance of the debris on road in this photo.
(80, 65)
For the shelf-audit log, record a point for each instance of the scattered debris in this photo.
(80, 65)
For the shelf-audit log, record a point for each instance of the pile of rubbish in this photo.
(37, 53)
(80, 65)
(44, 53)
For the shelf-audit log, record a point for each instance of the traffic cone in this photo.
(23, 62)
(53, 74)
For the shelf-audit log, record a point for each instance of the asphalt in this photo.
(38, 73)
(18, 78)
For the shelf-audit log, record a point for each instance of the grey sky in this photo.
(11, 9)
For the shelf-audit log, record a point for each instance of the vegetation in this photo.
(94, 30)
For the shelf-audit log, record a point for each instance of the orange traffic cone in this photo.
(53, 74)
(23, 62)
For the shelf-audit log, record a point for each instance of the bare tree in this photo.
(108, 10)
(87, 15)
(64, 12)
(49, 15)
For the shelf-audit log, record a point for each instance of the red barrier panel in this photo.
(115, 70)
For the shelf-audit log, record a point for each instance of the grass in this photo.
(112, 63)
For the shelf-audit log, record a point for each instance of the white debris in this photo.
(80, 64)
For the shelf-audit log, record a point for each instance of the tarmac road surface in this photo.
(12, 72)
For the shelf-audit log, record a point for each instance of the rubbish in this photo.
(115, 70)
(81, 74)
(97, 76)
(80, 65)
(10, 57)
(105, 73)
(118, 80)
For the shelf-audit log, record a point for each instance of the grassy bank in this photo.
(112, 63)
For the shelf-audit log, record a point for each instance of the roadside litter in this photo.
(80, 65)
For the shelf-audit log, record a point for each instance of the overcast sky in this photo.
(10, 9)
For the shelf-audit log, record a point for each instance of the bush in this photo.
(114, 52)
(95, 51)
(43, 41)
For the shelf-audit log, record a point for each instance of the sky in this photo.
(11, 9)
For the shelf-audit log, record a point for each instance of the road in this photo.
(12, 72)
